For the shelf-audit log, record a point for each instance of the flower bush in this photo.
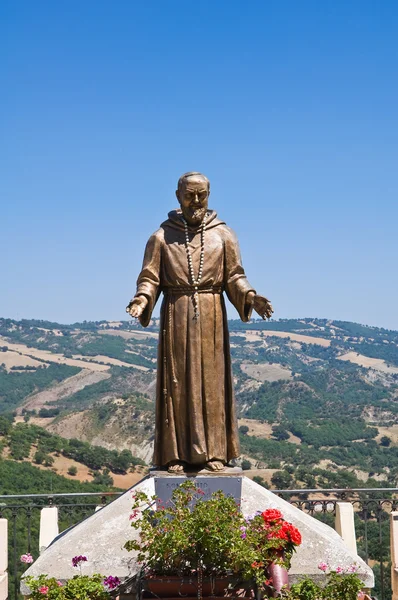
(83, 587)
(274, 539)
(27, 558)
(342, 584)
(210, 536)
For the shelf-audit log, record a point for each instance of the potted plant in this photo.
(274, 540)
(341, 584)
(192, 546)
(83, 587)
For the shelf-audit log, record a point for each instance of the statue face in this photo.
(193, 197)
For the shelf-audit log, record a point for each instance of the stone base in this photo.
(3, 586)
(228, 471)
(101, 538)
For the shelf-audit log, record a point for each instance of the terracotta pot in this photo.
(171, 586)
(280, 578)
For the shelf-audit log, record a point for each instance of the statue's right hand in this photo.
(136, 307)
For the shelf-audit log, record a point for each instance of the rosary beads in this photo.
(195, 282)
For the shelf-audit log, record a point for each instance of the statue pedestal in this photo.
(231, 486)
(101, 536)
(227, 472)
(229, 481)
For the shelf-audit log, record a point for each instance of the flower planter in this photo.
(280, 578)
(209, 536)
(170, 586)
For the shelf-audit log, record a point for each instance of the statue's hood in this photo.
(174, 221)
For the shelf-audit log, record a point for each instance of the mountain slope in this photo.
(294, 379)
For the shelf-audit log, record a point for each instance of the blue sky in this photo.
(290, 108)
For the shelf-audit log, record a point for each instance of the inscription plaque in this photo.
(230, 486)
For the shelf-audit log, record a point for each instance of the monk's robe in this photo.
(195, 409)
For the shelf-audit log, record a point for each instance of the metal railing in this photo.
(22, 512)
(371, 508)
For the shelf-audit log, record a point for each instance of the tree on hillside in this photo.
(48, 460)
(5, 426)
(103, 478)
(281, 480)
(261, 481)
(120, 462)
(279, 433)
(246, 465)
(39, 457)
(385, 441)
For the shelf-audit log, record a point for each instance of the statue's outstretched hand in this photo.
(261, 305)
(137, 306)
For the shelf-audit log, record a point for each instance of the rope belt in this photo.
(188, 290)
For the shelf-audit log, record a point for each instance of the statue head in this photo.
(193, 193)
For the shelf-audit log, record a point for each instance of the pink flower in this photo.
(352, 569)
(133, 514)
(59, 583)
(323, 566)
(43, 589)
(27, 558)
(339, 570)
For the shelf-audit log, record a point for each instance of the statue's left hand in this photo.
(261, 305)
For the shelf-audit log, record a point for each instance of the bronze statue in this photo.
(193, 258)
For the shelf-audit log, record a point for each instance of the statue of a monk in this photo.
(193, 259)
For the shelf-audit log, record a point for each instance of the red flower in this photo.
(257, 565)
(271, 514)
(295, 536)
(279, 535)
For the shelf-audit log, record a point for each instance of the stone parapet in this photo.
(394, 553)
(3, 559)
(345, 525)
(3, 586)
(101, 537)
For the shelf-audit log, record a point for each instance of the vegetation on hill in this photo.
(21, 437)
(15, 387)
(304, 409)
(86, 341)
(123, 382)
(329, 424)
(23, 478)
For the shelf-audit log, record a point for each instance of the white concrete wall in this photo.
(3, 559)
(394, 553)
(48, 526)
(345, 525)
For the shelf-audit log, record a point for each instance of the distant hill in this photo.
(317, 399)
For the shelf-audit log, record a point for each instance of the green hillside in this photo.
(318, 398)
